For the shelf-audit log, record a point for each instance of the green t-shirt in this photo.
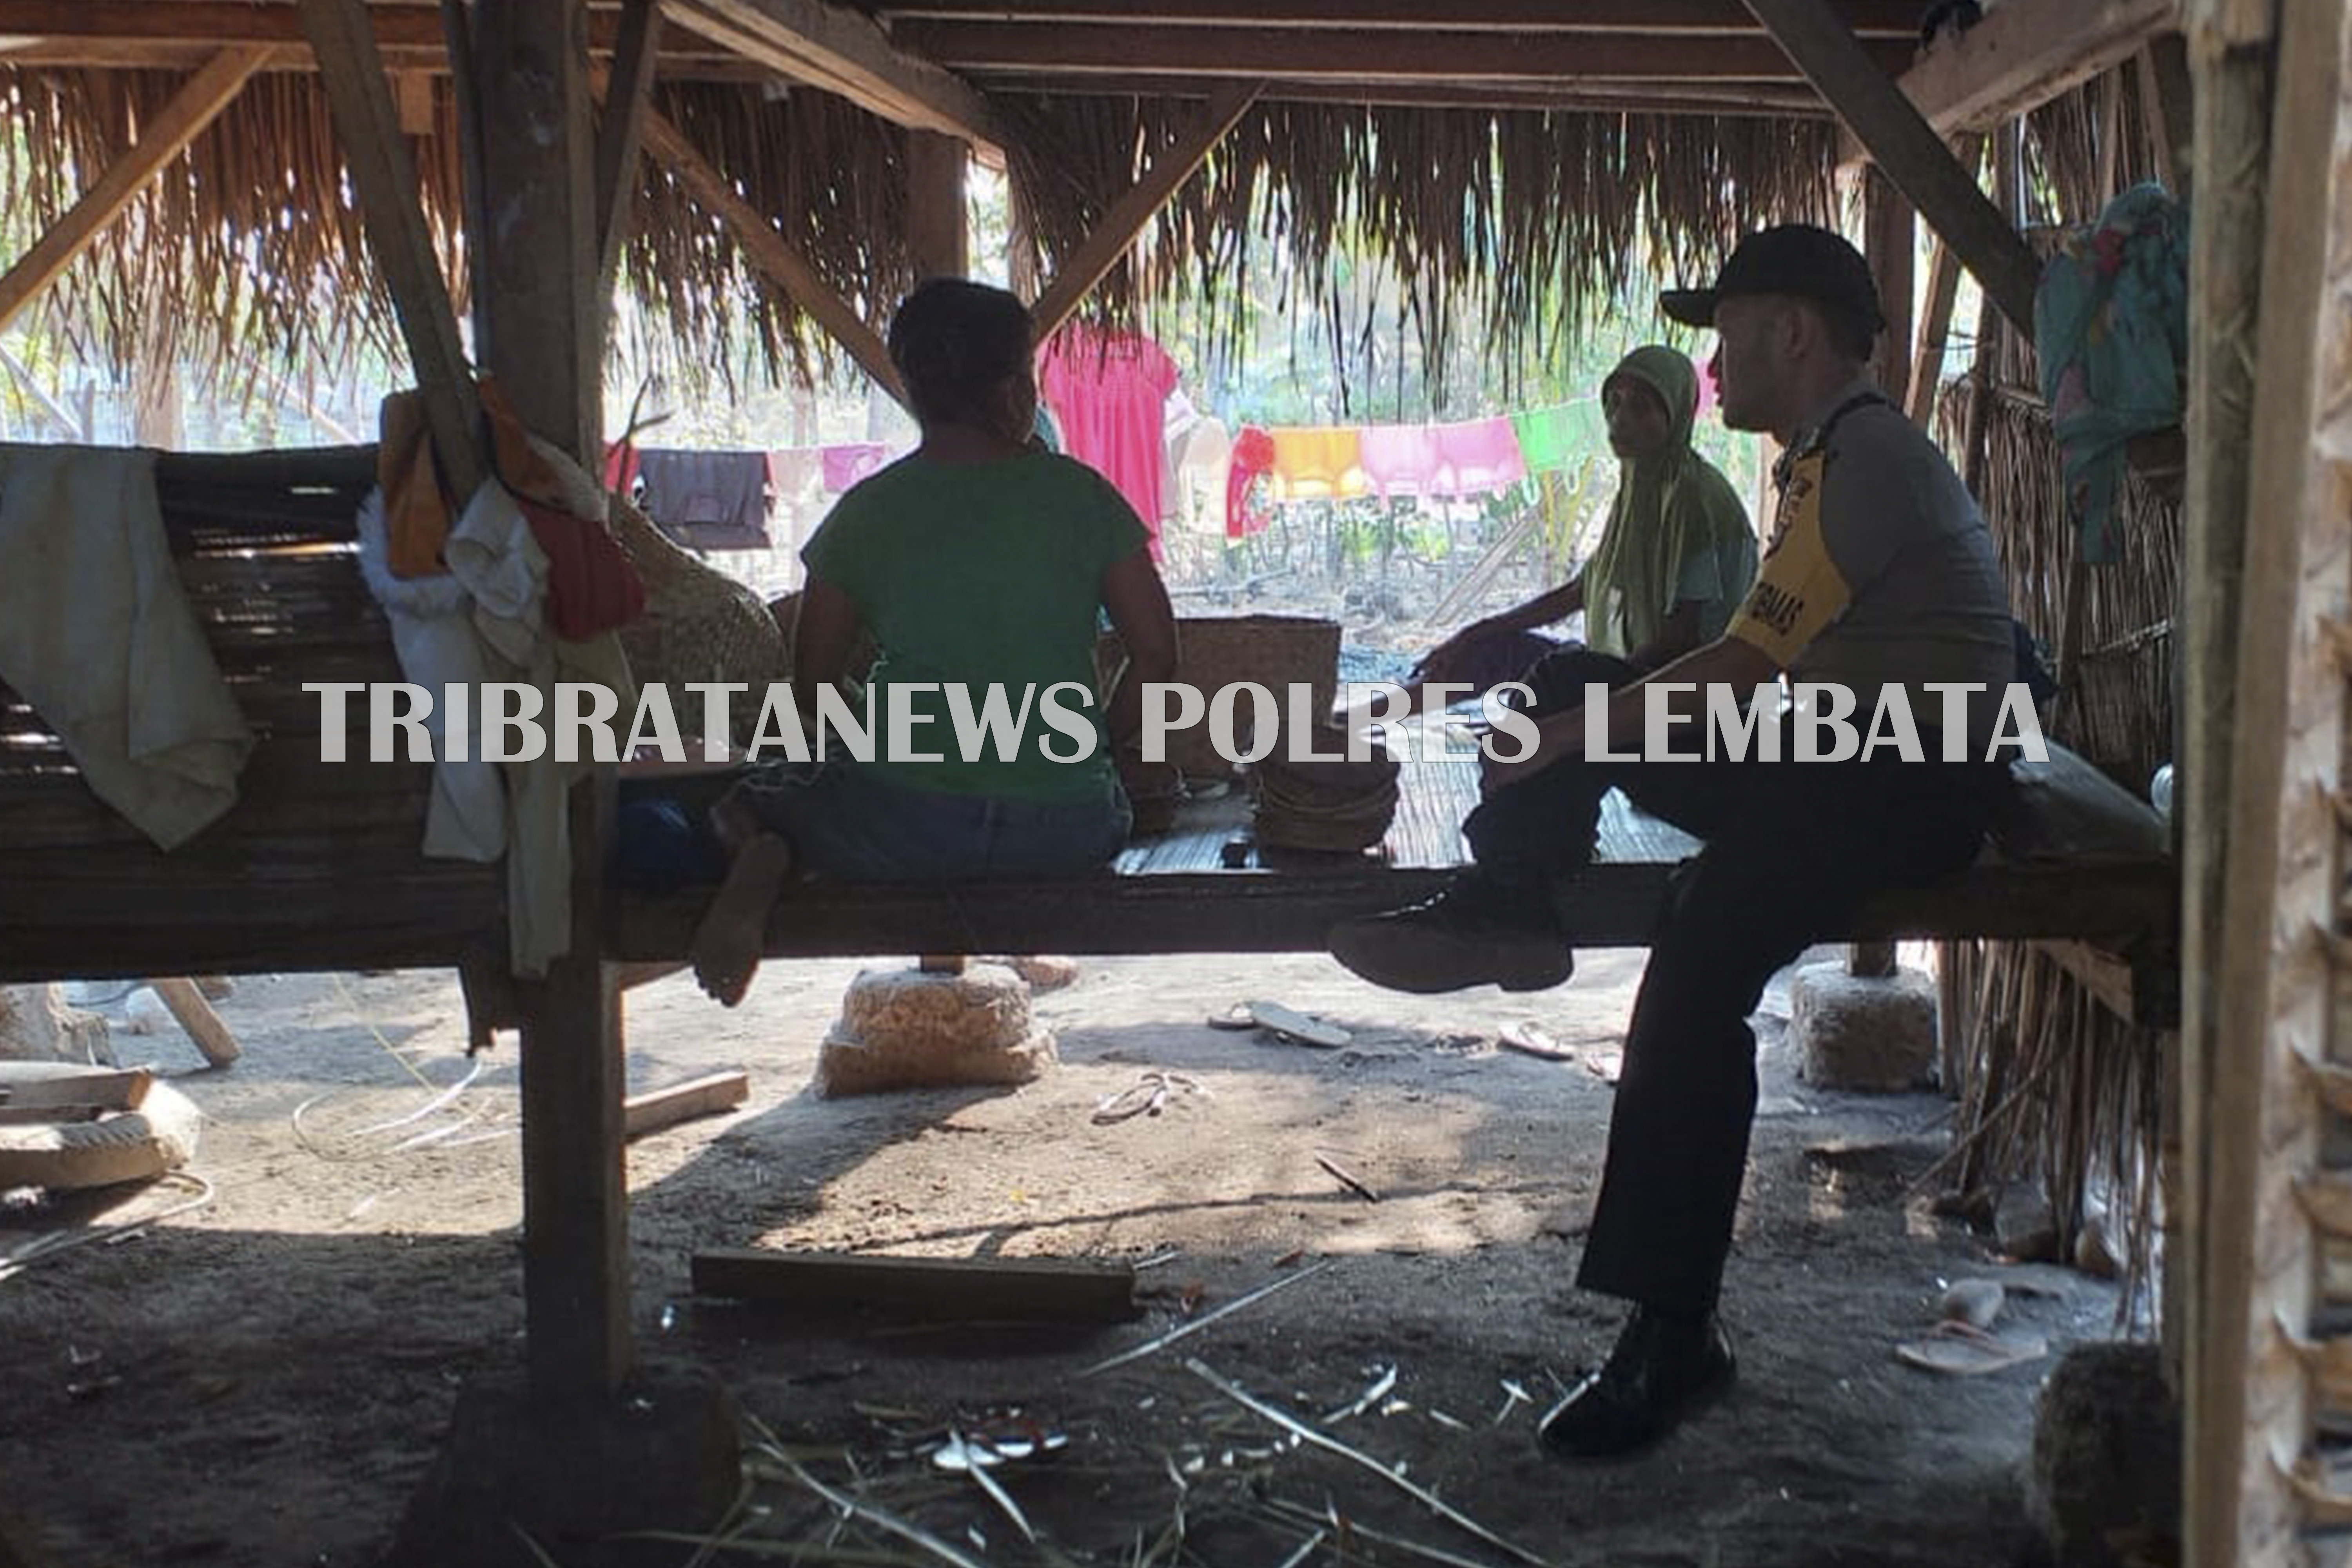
(982, 575)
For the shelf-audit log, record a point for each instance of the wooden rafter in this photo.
(160, 139)
(2025, 54)
(845, 52)
(1126, 216)
(1319, 55)
(1910, 153)
(620, 136)
(1780, 100)
(1881, 18)
(367, 123)
(770, 252)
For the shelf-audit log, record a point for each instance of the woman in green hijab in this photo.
(1677, 556)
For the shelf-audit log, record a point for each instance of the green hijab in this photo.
(1671, 507)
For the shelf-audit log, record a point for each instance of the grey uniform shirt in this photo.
(1881, 569)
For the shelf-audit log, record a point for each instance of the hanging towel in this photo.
(846, 464)
(1400, 458)
(1319, 462)
(1553, 437)
(1477, 455)
(708, 501)
(98, 635)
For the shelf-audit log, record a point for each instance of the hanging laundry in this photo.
(846, 464)
(1198, 459)
(2111, 332)
(1477, 455)
(1314, 462)
(1557, 435)
(708, 500)
(1253, 456)
(1109, 392)
(1400, 458)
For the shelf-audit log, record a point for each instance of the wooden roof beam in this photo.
(367, 125)
(196, 105)
(845, 52)
(1868, 18)
(1908, 150)
(1312, 55)
(770, 251)
(1604, 97)
(1775, 100)
(1116, 235)
(2021, 56)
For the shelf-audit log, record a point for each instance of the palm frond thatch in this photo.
(1523, 224)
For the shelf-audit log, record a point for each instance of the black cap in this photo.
(1795, 258)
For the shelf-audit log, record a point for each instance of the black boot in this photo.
(1476, 932)
(1663, 1370)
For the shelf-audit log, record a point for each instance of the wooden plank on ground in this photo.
(667, 1107)
(197, 1017)
(954, 1289)
(1912, 153)
(160, 139)
(367, 123)
(1125, 220)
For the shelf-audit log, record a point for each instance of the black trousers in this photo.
(1792, 848)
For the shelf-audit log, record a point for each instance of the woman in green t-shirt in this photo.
(978, 565)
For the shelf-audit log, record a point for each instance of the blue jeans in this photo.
(844, 822)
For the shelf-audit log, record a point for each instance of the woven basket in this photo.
(1274, 651)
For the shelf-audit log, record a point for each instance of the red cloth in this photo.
(592, 586)
(1253, 456)
(1109, 393)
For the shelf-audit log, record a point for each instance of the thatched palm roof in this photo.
(245, 245)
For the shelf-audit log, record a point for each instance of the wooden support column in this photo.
(211, 89)
(770, 252)
(620, 141)
(1118, 228)
(2269, 692)
(1902, 144)
(937, 236)
(538, 324)
(1936, 326)
(541, 324)
(1890, 238)
(367, 125)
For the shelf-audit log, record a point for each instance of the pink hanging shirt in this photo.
(1109, 394)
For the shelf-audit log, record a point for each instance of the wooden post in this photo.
(2238, 1415)
(620, 140)
(213, 88)
(1890, 239)
(1901, 142)
(537, 326)
(542, 329)
(367, 125)
(937, 233)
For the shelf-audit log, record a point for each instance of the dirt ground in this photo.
(262, 1380)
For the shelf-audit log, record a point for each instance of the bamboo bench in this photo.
(317, 867)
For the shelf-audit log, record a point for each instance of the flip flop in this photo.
(1959, 1350)
(1291, 1024)
(1534, 1040)
(1237, 1016)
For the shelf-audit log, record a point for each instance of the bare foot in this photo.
(726, 948)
